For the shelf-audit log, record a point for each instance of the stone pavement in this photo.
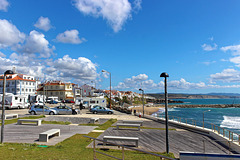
(29, 133)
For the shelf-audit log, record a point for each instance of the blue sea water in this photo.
(228, 118)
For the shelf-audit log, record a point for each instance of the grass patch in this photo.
(10, 121)
(104, 126)
(71, 148)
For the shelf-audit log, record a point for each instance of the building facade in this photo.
(64, 91)
(19, 84)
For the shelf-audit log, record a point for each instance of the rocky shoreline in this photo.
(206, 106)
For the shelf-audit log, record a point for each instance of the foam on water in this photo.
(230, 122)
(172, 109)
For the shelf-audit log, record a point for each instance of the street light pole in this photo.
(3, 103)
(110, 87)
(142, 99)
(203, 116)
(165, 75)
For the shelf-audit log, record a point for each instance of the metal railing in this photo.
(123, 149)
(230, 135)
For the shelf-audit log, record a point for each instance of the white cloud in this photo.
(140, 77)
(36, 43)
(183, 84)
(70, 36)
(207, 47)
(2, 55)
(81, 68)
(235, 60)
(209, 62)
(43, 23)
(66, 69)
(10, 35)
(235, 49)
(211, 38)
(4, 5)
(116, 12)
(227, 75)
(137, 4)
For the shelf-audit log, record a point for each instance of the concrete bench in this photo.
(133, 122)
(93, 120)
(128, 125)
(117, 138)
(37, 121)
(43, 137)
(11, 115)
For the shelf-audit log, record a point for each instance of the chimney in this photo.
(14, 70)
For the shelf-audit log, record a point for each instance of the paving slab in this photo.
(154, 140)
(29, 133)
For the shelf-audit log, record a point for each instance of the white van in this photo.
(49, 99)
(16, 101)
(90, 101)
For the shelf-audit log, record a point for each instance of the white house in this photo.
(19, 84)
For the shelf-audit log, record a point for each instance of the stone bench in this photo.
(127, 125)
(43, 137)
(37, 121)
(117, 138)
(11, 115)
(133, 122)
(93, 120)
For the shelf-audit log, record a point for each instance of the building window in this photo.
(51, 87)
(51, 93)
(18, 89)
(26, 83)
(22, 89)
(61, 93)
(12, 89)
(29, 90)
(12, 82)
(8, 89)
(26, 90)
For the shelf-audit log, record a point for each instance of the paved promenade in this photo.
(29, 133)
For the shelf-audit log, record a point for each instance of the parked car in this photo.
(66, 110)
(37, 102)
(68, 101)
(38, 109)
(53, 102)
(100, 109)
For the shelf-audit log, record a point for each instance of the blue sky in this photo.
(196, 42)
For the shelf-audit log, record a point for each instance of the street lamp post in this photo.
(3, 102)
(110, 87)
(142, 99)
(165, 75)
(203, 116)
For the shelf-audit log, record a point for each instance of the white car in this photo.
(38, 102)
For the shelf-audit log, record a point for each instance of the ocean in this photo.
(207, 101)
(228, 118)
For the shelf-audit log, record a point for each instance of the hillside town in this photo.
(30, 86)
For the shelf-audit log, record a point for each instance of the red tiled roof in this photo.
(18, 78)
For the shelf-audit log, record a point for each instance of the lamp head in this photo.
(140, 89)
(103, 71)
(8, 72)
(164, 74)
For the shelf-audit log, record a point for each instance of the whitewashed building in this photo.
(19, 84)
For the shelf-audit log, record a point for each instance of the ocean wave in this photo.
(230, 122)
(172, 109)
